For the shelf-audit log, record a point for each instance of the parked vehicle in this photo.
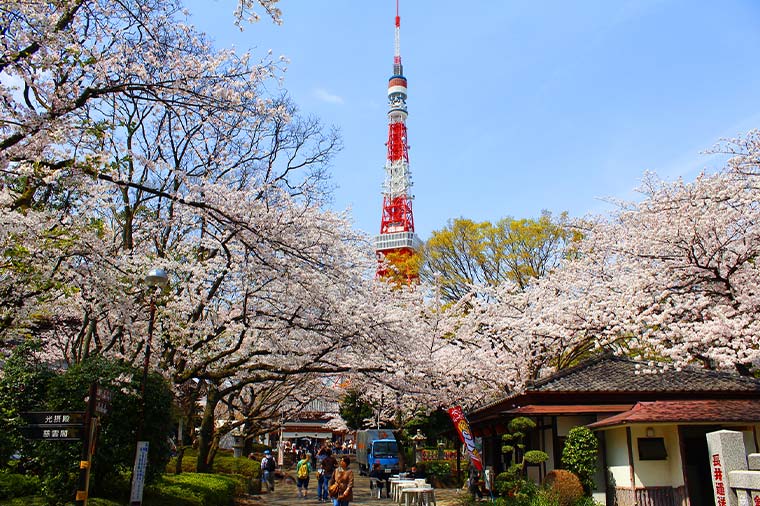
(376, 445)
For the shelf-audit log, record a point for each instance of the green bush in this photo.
(23, 387)
(544, 498)
(223, 464)
(580, 454)
(440, 469)
(240, 465)
(246, 472)
(191, 489)
(535, 457)
(259, 448)
(37, 388)
(41, 501)
(587, 501)
(25, 501)
(17, 485)
(96, 501)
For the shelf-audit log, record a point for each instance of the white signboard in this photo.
(138, 473)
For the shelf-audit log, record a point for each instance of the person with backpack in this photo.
(268, 466)
(303, 468)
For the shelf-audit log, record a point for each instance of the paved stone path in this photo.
(285, 494)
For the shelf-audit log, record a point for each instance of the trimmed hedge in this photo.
(38, 500)
(444, 472)
(17, 485)
(25, 501)
(189, 489)
(248, 470)
(192, 489)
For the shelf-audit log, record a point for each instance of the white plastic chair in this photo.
(377, 486)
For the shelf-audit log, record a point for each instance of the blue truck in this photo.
(376, 445)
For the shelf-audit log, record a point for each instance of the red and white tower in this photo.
(397, 241)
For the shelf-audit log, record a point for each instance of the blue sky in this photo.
(515, 106)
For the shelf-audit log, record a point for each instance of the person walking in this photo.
(321, 478)
(268, 466)
(303, 470)
(342, 484)
(328, 466)
(473, 483)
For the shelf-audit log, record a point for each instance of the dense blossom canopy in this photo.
(129, 142)
(672, 279)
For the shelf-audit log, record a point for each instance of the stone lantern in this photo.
(419, 441)
(238, 443)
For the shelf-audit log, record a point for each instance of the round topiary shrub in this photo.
(565, 485)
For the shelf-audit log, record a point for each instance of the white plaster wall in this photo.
(657, 473)
(617, 457)
(673, 445)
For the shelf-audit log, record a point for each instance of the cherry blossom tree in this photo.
(670, 278)
(690, 250)
(147, 147)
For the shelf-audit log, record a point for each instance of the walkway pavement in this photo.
(285, 494)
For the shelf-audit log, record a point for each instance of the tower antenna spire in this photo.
(397, 68)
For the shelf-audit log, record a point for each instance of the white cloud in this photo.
(326, 96)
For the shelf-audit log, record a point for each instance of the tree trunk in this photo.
(180, 454)
(398, 434)
(212, 451)
(206, 433)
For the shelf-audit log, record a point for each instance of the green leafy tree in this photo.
(355, 411)
(580, 454)
(466, 253)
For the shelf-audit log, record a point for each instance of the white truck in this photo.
(376, 445)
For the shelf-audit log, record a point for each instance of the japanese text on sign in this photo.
(138, 473)
(720, 487)
(55, 433)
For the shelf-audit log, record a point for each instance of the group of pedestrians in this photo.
(335, 482)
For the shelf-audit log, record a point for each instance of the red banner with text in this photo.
(465, 434)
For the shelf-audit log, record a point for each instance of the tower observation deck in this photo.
(397, 241)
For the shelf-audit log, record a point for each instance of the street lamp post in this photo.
(156, 279)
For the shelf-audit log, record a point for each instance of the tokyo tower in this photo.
(397, 242)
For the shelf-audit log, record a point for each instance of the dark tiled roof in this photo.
(615, 374)
(711, 411)
(610, 379)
